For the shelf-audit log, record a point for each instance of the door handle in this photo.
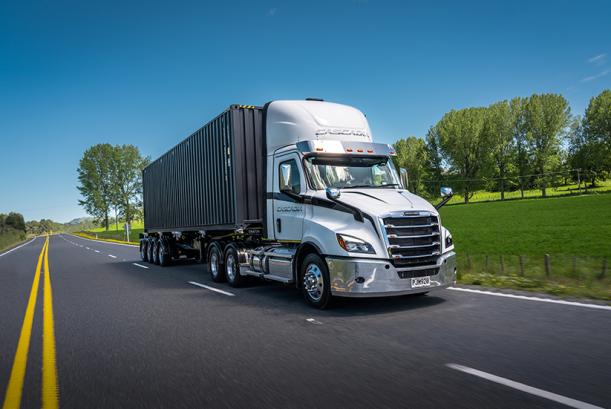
(279, 225)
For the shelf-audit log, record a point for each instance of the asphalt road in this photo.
(133, 337)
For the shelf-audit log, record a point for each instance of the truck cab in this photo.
(338, 194)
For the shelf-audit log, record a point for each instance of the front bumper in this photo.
(379, 278)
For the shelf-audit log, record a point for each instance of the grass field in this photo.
(503, 244)
(565, 190)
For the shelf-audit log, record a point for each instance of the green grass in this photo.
(503, 244)
(564, 190)
(573, 226)
(10, 237)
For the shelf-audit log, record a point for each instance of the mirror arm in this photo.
(444, 201)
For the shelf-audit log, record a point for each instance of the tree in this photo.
(463, 141)
(596, 135)
(96, 184)
(500, 134)
(522, 154)
(14, 221)
(126, 176)
(413, 156)
(546, 115)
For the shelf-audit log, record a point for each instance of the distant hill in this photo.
(79, 220)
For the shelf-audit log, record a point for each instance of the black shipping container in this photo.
(213, 180)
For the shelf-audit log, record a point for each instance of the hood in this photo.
(377, 202)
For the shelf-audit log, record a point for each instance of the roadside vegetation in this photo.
(12, 230)
(557, 245)
(518, 148)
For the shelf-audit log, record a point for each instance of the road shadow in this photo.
(273, 296)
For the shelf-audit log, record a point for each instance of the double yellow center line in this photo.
(50, 393)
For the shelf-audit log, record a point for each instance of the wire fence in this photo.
(561, 183)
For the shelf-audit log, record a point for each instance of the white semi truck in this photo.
(295, 192)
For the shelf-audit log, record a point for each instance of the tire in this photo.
(215, 264)
(232, 268)
(144, 252)
(315, 282)
(150, 247)
(164, 259)
(156, 252)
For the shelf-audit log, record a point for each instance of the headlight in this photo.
(354, 245)
(449, 241)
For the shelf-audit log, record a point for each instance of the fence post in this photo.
(468, 262)
(548, 266)
(502, 266)
(486, 269)
(522, 266)
(574, 266)
(603, 272)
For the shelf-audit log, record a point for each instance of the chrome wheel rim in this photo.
(313, 282)
(231, 273)
(214, 264)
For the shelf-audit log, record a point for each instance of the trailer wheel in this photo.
(215, 265)
(150, 246)
(164, 259)
(156, 248)
(144, 254)
(232, 267)
(316, 286)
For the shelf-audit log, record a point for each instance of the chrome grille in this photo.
(413, 238)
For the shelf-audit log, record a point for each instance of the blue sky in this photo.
(74, 73)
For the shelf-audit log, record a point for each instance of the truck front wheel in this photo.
(315, 281)
(215, 267)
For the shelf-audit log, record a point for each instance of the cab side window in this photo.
(289, 179)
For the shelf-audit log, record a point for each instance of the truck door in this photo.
(289, 210)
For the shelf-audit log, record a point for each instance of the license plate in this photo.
(421, 282)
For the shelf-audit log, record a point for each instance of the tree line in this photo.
(511, 144)
(110, 181)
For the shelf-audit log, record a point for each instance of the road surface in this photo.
(128, 334)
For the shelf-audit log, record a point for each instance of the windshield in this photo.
(351, 172)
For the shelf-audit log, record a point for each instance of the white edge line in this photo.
(107, 242)
(524, 388)
(97, 251)
(110, 255)
(140, 265)
(524, 297)
(313, 321)
(18, 247)
(211, 288)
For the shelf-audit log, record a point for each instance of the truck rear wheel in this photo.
(215, 266)
(144, 254)
(164, 259)
(232, 268)
(315, 281)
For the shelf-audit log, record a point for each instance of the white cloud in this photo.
(271, 12)
(594, 77)
(598, 60)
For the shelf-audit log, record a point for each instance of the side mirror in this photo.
(333, 193)
(446, 192)
(404, 178)
(285, 177)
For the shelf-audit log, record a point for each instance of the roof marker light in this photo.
(359, 150)
(348, 149)
(319, 149)
(369, 150)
